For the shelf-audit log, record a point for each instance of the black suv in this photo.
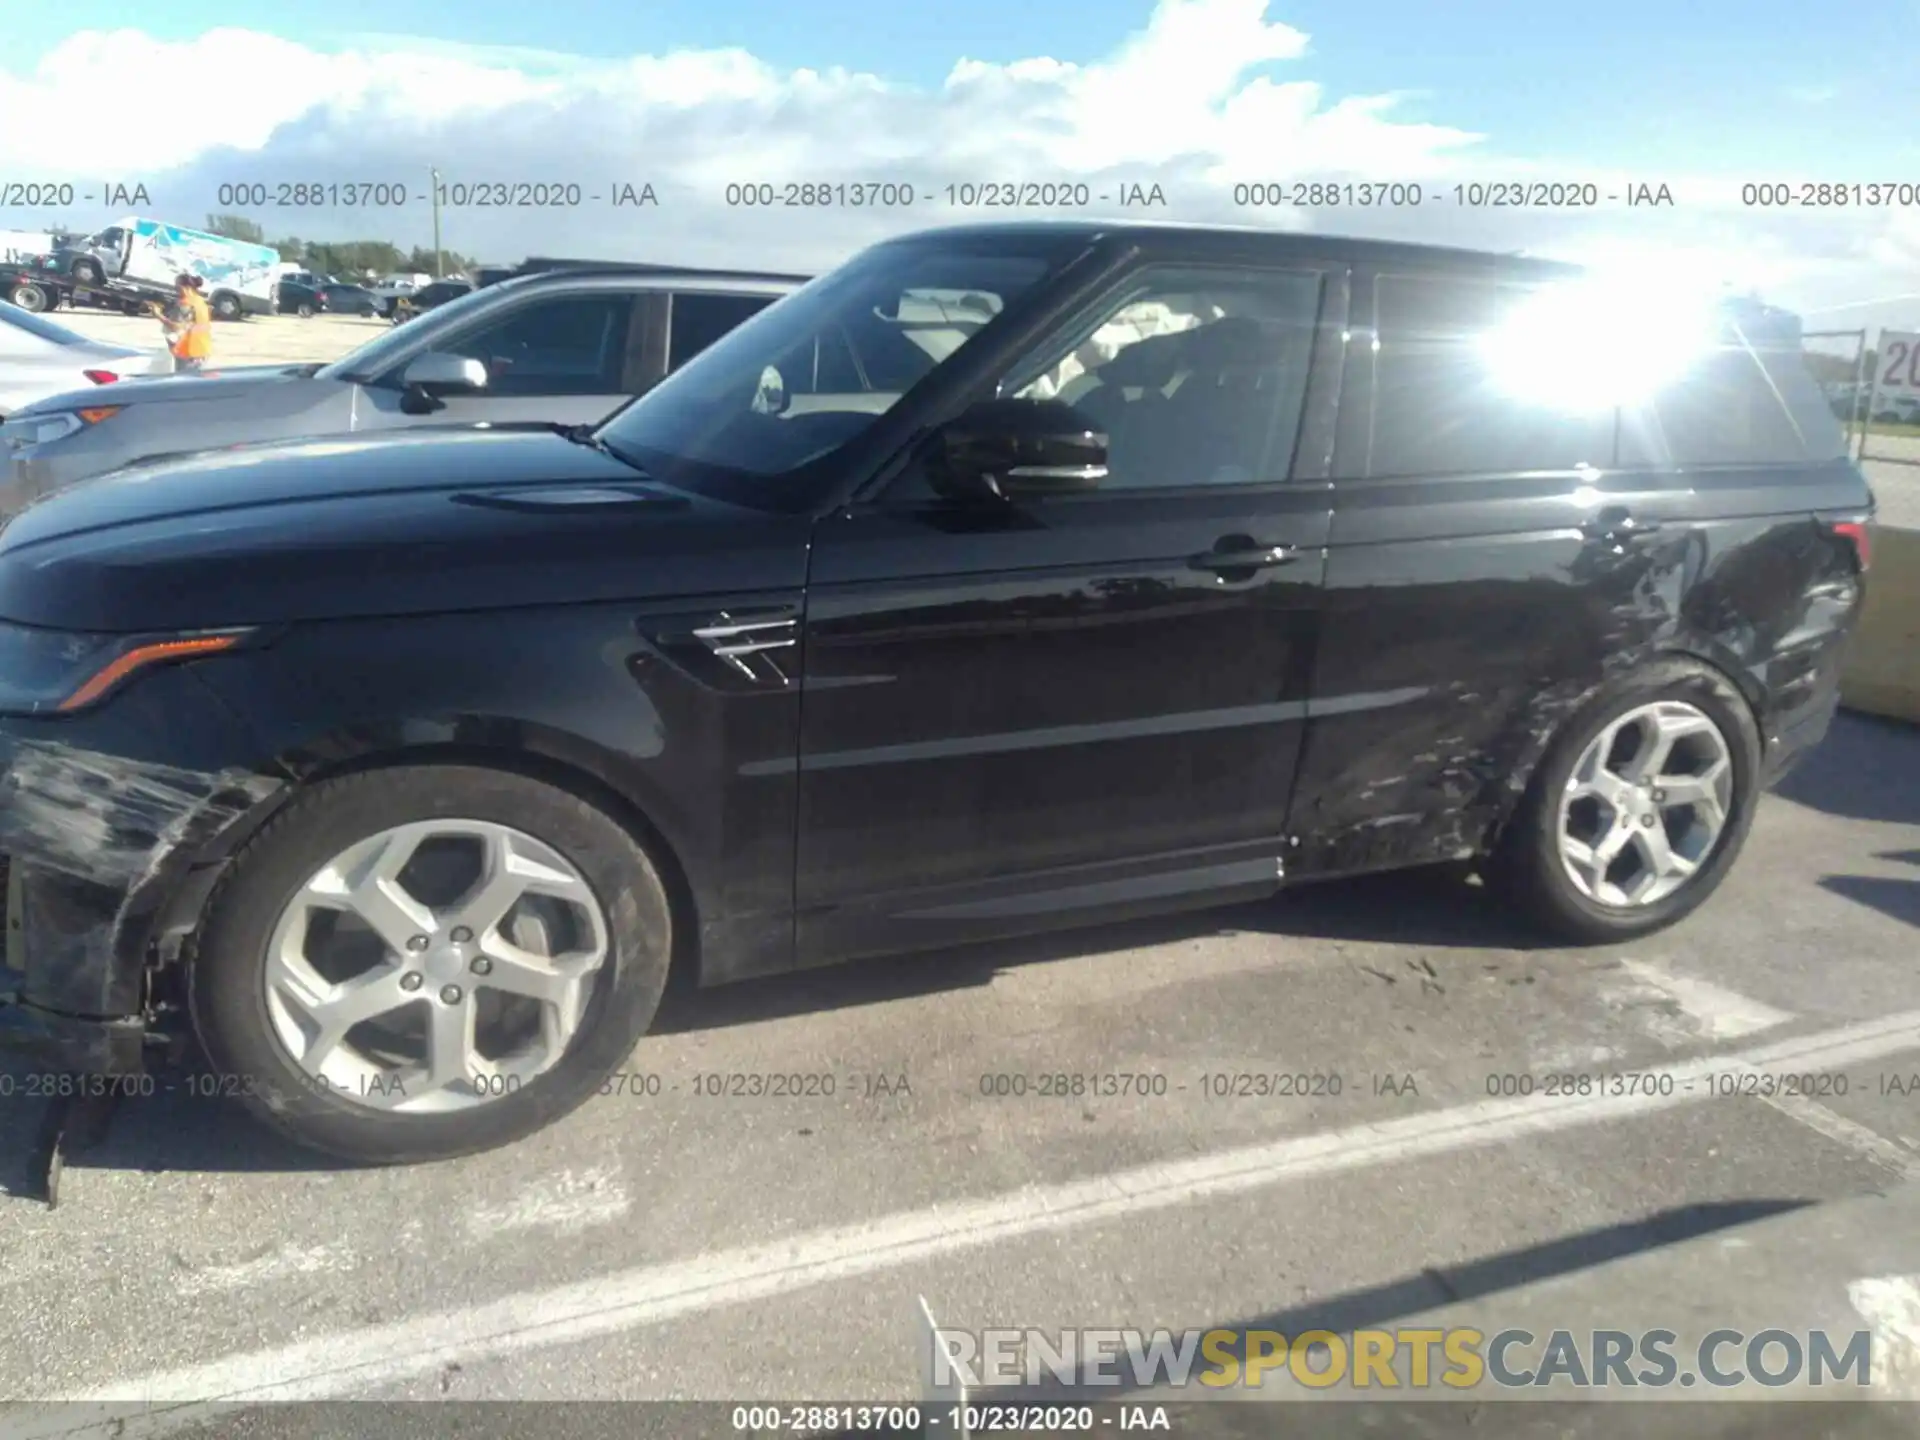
(1008, 577)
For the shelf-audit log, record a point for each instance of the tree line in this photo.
(343, 257)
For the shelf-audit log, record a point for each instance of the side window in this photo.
(1197, 377)
(1750, 401)
(564, 345)
(698, 320)
(1439, 407)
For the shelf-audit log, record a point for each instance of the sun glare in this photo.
(1600, 343)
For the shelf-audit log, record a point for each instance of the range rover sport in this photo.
(1005, 578)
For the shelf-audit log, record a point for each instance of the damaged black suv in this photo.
(1008, 577)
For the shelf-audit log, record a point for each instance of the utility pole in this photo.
(436, 222)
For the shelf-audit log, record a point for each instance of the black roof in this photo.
(1237, 240)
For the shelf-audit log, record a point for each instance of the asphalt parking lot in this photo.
(665, 1245)
(260, 340)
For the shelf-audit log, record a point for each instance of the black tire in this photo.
(1526, 863)
(226, 305)
(228, 996)
(304, 310)
(88, 272)
(31, 297)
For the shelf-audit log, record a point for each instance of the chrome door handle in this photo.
(1251, 557)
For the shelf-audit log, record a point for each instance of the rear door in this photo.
(570, 356)
(1473, 589)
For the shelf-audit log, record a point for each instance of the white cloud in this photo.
(1206, 94)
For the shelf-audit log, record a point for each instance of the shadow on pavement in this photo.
(1866, 769)
(1433, 907)
(182, 1126)
(1895, 896)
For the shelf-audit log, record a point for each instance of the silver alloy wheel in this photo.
(1646, 805)
(435, 966)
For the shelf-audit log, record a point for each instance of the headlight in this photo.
(56, 672)
(44, 429)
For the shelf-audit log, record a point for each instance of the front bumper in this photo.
(109, 823)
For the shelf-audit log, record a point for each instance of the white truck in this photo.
(141, 258)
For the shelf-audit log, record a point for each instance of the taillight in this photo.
(1855, 533)
(100, 377)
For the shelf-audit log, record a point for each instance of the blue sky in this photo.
(1706, 95)
(1635, 81)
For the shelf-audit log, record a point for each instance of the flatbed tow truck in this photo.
(40, 288)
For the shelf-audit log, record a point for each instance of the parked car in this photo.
(349, 300)
(39, 358)
(569, 347)
(1006, 578)
(294, 298)
(430, 297)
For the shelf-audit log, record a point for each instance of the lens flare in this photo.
(1597, 344)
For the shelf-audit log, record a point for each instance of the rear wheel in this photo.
(304, 310)
(1639, 809)
(419, 963)
(31, 297)
(226, 305)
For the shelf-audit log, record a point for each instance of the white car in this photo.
(39, 358)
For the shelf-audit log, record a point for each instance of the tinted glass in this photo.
(1751, 401)
(1197, 377)
(377, 356)
(1437, 408)
(699, 320)
(566, 345)
(808, 375)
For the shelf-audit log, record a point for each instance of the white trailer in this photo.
(145, 256)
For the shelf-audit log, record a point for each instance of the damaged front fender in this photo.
(100, 836)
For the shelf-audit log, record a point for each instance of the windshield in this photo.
(37, 326)
(378, 354)
(809, 374)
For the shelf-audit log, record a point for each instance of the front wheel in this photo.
(226, 306)
(88, 272)
(1639, 808)
(413, 964)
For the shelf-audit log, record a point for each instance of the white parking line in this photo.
(1852, 1134)
(352, 1361)
(1891, 1305)
(1700, 1010)
(1706, 1011)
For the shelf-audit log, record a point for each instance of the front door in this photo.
(1023, 713)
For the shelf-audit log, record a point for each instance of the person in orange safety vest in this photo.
(189, 325)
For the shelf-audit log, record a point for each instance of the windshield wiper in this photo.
(589, 436)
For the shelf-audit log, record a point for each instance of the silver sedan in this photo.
(39, 358)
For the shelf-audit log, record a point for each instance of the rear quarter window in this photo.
(1751, 401)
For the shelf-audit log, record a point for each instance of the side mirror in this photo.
(439, 374)
(1009, 449)
(428, 377)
